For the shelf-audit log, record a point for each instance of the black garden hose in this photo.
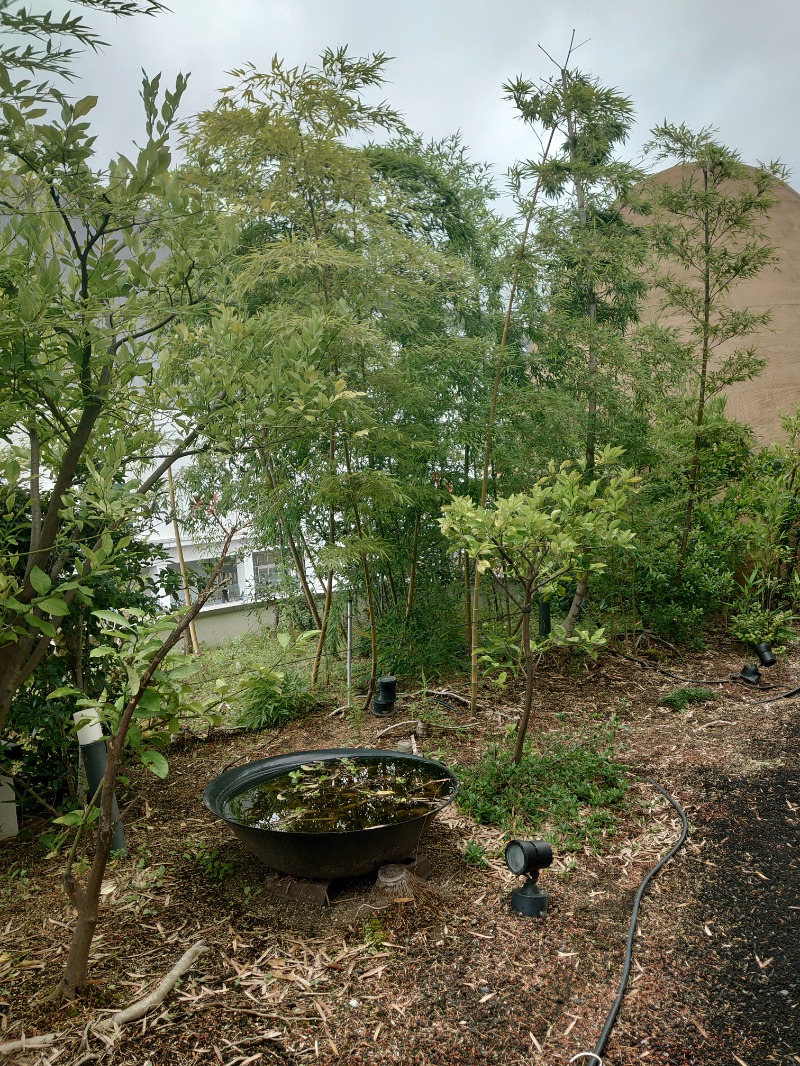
(594, 1057)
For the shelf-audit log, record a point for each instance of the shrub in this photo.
(571, 792)
(271, 698)
(430, 644)
(754, 624)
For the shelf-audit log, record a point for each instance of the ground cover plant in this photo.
(569, 790)
(680, 698)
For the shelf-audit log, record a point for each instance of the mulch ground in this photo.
(453, 977)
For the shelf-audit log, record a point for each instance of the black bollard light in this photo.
(750, 674)
(385, 699)
(765, 656)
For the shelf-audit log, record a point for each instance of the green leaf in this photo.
(67, 690)
(40, 581)
(71, 818)
(112, 616)
(133, 678)
(84, 106)
(41, 623)
(284, 639)
(98, 653)
(54, 605)
(183, 671)
(155, 762)
(150, 701)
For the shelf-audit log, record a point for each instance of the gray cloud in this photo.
(725, 63)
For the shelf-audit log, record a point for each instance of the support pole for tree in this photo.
(181, 561)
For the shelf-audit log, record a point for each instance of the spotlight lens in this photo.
(525, 856)
(516, 859)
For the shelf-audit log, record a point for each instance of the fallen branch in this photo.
(159, 994)
(395, 725)
(26, 1042)
(435, 692)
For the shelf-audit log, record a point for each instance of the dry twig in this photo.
(159, 994)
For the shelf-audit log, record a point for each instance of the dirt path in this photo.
(724, 950)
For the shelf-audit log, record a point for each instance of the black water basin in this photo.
(323, 855)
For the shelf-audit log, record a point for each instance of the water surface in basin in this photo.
(342, 795)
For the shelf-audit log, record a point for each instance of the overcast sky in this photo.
(732, 64)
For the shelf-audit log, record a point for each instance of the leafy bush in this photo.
(754, 624)
(430, 644)
(679, 610)
(498, 654)
(44, 730)
(271, 698)
(682, 697)
(571, 792)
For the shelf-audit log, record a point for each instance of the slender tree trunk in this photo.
(86, 899)
(487, 453)
(187, 596)
(575, 606)
(289, 536)
(522, 728)
(368, 588)
(591, 376)
(694, 477)
(412, 579)
(326, 610)
(468, 598)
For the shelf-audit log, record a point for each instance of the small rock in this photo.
(354, 1003)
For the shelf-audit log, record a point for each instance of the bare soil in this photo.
(452, 976)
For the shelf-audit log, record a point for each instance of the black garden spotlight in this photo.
(527, 858)
(765, 656)
(752, 674)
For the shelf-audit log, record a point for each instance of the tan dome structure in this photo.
(776, 391)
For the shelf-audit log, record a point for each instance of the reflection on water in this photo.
(342, 795)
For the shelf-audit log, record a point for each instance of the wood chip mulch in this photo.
(452, 977)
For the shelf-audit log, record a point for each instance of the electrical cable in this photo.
(730, 679)
(780, 696)
(444, 703)
(626, 970)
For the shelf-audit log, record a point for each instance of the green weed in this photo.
(272, 698)
(208, 860)
(475, 854)
(680, 698)
(571, 792)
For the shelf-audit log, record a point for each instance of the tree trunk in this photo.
(412, 579)
(694, 477)
(87, 899)
(522, 728)
(487, 453)
(575, 606)
(296, 557)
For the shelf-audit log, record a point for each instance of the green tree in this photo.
(534, 543)
(707, 233)
(94, 268)
(383, 248)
